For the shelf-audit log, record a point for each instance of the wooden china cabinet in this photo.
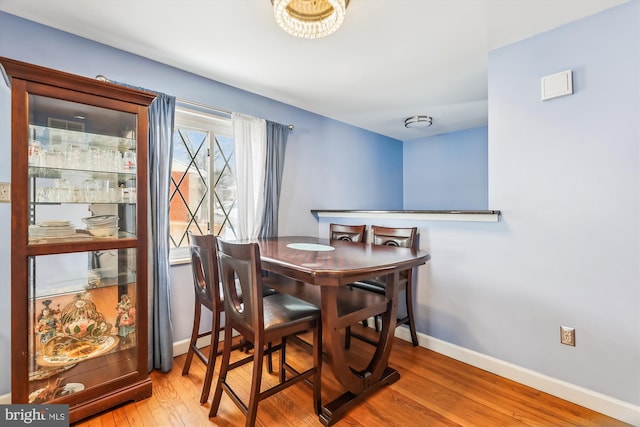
(79, 240)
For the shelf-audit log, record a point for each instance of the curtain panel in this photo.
(277, 135)
(250, 142)
(161, 124)
(160, 329)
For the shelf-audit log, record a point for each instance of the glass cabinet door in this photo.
(79, 306)
(82, 171)
(83, 321)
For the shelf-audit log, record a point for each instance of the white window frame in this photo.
(218, 125)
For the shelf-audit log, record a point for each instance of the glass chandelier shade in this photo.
(309, 19)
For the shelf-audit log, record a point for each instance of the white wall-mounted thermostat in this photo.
(555, 85)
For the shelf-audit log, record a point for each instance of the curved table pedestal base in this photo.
(360, 384)
(337, 408)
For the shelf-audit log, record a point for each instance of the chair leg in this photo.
(194, 337)
(317, 362)
(283, 359)
(269, 360)
(409, 300)
(224, 368)
(213, 353)
(256, 381)
(347, 337)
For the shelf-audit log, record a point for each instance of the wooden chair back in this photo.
(401, 237)
(240, 267)
(204, 268)
(351, 233)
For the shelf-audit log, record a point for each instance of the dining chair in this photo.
(206, 285)
(400, 237)
(351, 233)
(262, 320)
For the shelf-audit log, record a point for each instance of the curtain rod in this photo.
(208, 107)
(184, 101)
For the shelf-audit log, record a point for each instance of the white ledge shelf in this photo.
(421, 215)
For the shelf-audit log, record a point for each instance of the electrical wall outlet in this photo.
(5, 192)
(568, 335)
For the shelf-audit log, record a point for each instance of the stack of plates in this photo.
(49, 229)
(102, 225)
(101, 221)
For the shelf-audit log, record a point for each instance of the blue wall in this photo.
(566, 175)
(447, 171)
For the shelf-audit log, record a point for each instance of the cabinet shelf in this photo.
(57, 246)
(83, 202)
(49, 172)
(83, 286)
(51, 136)
(96, 375)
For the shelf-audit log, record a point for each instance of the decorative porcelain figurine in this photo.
(126, 320)
(48, 324)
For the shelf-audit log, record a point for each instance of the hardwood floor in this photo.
(433, 390)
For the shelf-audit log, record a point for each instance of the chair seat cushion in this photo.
(267, 290)
(283, 309)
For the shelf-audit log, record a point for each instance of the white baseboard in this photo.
(182, 346)
(5, 399)
(581, 396)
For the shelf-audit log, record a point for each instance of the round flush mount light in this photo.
(418, 122)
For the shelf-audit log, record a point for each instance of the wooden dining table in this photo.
(322, 271)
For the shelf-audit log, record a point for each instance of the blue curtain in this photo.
(277, 135)
(161, 121)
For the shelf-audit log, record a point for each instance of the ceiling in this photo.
(391, 59)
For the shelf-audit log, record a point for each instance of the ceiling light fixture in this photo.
(418, 122)
(309, 19)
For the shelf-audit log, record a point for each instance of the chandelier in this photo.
(309, 19)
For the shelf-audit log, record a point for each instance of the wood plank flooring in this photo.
(433, 390)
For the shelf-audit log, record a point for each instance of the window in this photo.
(202, 195)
